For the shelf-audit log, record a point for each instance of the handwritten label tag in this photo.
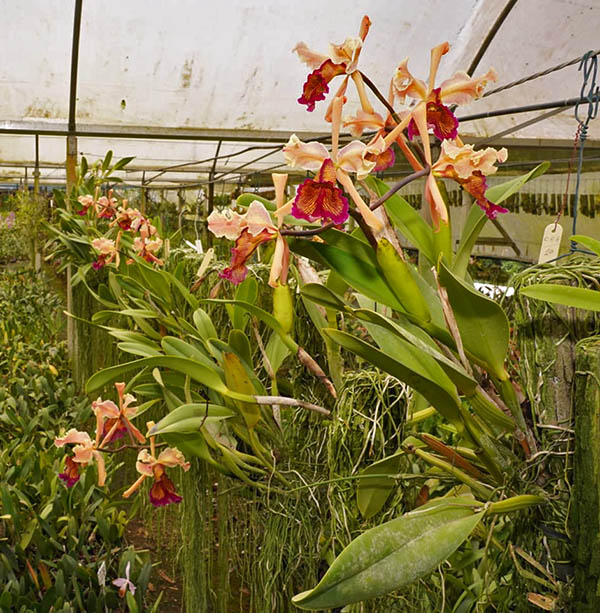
(550, 243)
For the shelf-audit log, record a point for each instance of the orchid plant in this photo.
(428, 326)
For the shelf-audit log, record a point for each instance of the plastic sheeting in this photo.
(228, 66)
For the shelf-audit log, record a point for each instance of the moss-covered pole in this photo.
(585, 517)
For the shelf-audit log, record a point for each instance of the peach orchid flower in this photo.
(162, 491)
(84, 452)
(469, 168)
(341, 60)
(108, 251)
(321, 198)
(147, 247)
(459, 89)
(249, 231)
(114, 421)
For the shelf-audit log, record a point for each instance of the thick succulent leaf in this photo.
(499, 193)
(197, 372)
(578, 297)
(360, 274)
(386, 333)
(394, 554)
(476, 220)
(247, 291)
(587, 241)
(372, 494)
(410, 365)
(190, 417)
(406, 219)
(237, 379)
(482, 323)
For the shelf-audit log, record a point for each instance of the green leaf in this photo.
(587, 241)
(122, 163)
(319, 293)
(476, 220)
(204, 324)
(240, 343)
(237, 379)
(190, 417)
(408, 220)
(372, 494)
(499, 193)
(482, 323)
(142, 349)
(410, 365)
(359, 274)
(394, 554)
(578, 297)
(386, 332)
(198, 372)
(247, 291)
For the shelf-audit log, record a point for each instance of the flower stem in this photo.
(397, 186)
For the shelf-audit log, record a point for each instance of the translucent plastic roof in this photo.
(225, 70)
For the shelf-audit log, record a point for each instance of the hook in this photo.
(589, 64)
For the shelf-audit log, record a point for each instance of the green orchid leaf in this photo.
(386, 333)
(408, 220)
(361, 275)
(482, 323)
(410, 365)
(499, 193)
(198, 372)
(587, 241)
(320, 294)
(578, 297)
(237, 379)
(373, 493)
(204, 324)
(394, 554)
(190, 417)
(247, 291)
(142, 349)
(476, 220)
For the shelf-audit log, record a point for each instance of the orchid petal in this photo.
(309, 57)
(351, 157)
(436, 56)
(462, 89)
(74, 437)
(101, 468)
(363, 121)
(257, 219)
(439, 212)
(281, 262)
(308, 156)
(404, 84)
(245, 246)
(172, 457)
(227, 224)
(105, 409)
(370, 218)
(144, 463)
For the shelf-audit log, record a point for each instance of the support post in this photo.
(585, 517)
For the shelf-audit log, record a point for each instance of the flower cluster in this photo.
(112, 423)
(146, 242)
(8, 221)
(330, 195)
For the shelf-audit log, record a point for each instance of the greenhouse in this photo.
(299, 306)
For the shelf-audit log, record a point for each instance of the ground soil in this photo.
(137, 535)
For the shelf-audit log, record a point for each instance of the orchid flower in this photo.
(459, 89)
(106, 207)
(84, 452)
(86, 202)
(124, 583)
(469, 168)
(128, 219)
(114, 422)
(162, 491)
(249, 231)
(108, 251)
(146, 248)
(341, 60)
(321, 198)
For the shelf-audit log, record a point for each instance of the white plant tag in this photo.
(550, 243)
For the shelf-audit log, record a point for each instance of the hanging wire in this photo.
(590, 96)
